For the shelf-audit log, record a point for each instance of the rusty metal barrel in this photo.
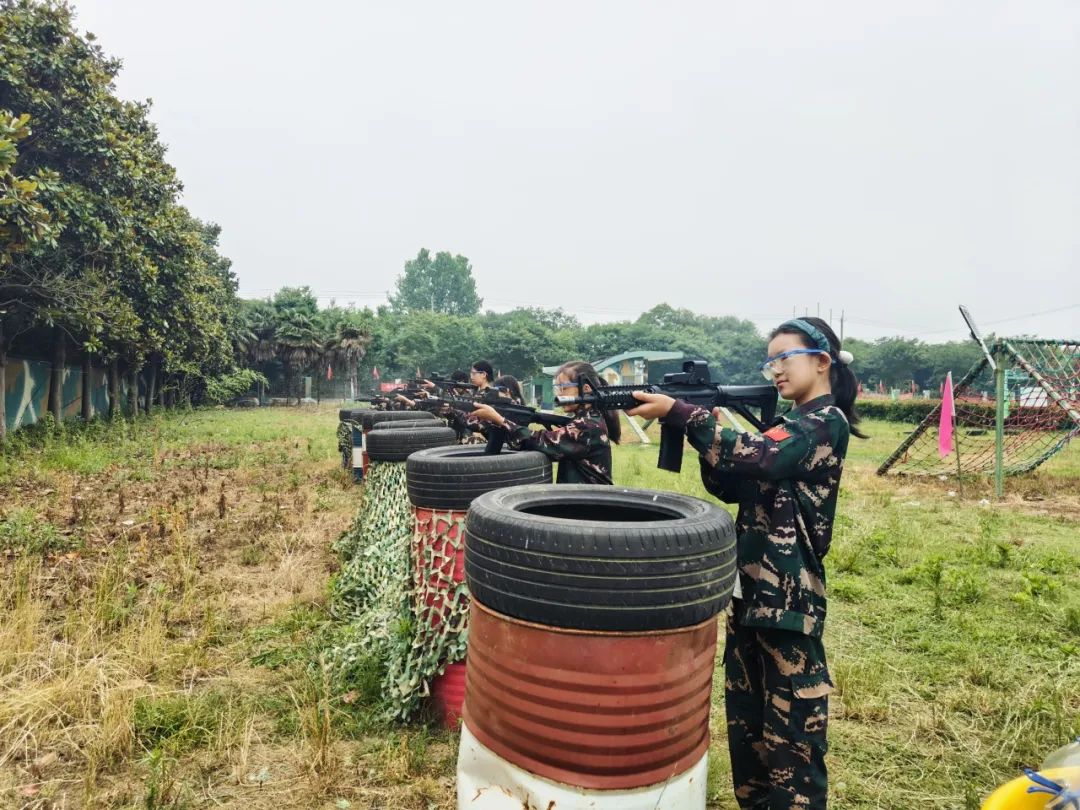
(597, 710)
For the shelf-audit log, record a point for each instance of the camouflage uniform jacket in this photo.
(582, 448)
(786, 482)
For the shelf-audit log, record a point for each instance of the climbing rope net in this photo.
(1041, 408)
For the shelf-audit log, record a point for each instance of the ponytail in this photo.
(842, 380)
(512, 386)
(584, 374)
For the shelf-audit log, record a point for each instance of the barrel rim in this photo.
(571, 631)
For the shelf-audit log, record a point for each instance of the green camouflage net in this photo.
(440, 609)
(412, 625)
(372, 591)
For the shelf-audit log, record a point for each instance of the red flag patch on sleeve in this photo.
(777, 434)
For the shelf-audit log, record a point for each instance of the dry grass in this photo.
(143, 571)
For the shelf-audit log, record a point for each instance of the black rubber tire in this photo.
(352, 414)
(406, 424)
(398, 445)
(372, 418)
(451, 478)
(600, 558)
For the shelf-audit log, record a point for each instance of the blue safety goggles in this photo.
(774, 365)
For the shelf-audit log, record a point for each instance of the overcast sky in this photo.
(886, 159)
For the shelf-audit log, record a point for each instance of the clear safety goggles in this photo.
(774, 365)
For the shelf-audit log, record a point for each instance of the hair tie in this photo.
(845, 357)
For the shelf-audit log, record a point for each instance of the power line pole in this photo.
(841, 327)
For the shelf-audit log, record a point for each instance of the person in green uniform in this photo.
(786, 482)
(583, 447)
(481, 374)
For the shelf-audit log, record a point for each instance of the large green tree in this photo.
(127, 277)
(443, 284)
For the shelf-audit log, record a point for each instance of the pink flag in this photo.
(948, 414)
(375, 372)
(329, 372)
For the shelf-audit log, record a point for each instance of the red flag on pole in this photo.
(375, 372)
(948, 415)
(329, 372)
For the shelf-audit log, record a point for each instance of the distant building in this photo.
(628, 368)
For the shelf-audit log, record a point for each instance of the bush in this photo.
(913, 411)
(224, 387)
(903, 410)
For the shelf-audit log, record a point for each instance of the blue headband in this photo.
(811, 332)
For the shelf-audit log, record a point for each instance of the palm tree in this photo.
(348, 347)
(255, 337)
(298, 346)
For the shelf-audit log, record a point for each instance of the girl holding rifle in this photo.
(785, 481)
(582, 447)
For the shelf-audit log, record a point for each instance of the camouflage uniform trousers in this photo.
(777, 699)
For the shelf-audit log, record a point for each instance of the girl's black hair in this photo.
(845, 386)
(512, 386)
(485, 367)
(460, 376)
(584, 374)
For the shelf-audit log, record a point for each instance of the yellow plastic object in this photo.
(1014, 796)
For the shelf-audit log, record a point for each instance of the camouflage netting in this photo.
(372, 591)
(440, 608)
(411, 624)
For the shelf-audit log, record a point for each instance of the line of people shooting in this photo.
(784, 474)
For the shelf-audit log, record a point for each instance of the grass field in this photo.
(164, 614)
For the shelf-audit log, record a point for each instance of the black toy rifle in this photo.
(691, 385)
(511, 411)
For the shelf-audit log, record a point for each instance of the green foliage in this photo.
(92, 237)
(897, 362)
(911, 411)
(444, 284)
(177, 722)
(232, 384)
(23, 219)
(24, 532)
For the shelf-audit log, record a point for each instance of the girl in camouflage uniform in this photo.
(786, 482)
(583, 447)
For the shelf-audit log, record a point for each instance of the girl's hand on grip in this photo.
(486, 413)
(653, 406)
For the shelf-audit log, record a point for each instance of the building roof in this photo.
(647, 356)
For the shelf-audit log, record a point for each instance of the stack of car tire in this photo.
(368, 419)
(592, 638)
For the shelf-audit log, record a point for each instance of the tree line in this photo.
(289, 335)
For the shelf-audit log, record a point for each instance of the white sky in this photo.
(886, 159)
